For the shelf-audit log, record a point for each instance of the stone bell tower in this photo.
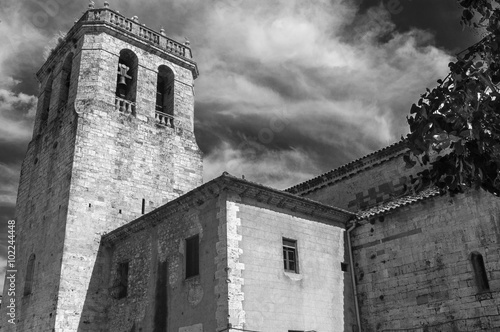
(113, 139)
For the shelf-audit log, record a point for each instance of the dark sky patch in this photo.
(12, 152)
(441, 18)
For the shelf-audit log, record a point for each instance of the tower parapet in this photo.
(112, 22)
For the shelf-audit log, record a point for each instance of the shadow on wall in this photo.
(94, 313)
(108, 286)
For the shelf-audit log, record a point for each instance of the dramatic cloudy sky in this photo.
(288, 88)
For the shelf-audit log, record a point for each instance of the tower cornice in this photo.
(130, 30)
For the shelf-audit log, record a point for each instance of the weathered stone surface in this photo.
(414, 266)
(188, 301)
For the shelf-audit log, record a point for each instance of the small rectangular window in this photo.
(192, 257)
(290, 260)
(344, 266)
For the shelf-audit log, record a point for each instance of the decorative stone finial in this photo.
(187, 43)
(135, 18)
(162, 31)
(106, 4)
(91, 4)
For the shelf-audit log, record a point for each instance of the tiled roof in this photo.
(397, 203)
(347, 170)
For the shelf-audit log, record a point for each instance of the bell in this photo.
(121, 80)
(122, 74)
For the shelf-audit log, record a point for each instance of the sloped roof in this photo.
(397, 203)
(349, 169)
(265, 195)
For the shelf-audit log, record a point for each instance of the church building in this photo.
(116, 230)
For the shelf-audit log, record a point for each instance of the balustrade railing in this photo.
(164, 119)
(124, 106)
(120, 21)
(133, 26)
(127, 107)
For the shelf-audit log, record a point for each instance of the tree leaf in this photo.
(460, 118)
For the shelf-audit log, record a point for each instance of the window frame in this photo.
(288, 248)
(165, 96)
(128, 58)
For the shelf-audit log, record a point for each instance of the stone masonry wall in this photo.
(414, 270)
(122, 162)
(275, 300)
(41, 208)
(367, 188)
(242, 284)
(188, 304)
(413, 266)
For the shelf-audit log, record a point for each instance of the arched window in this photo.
(479, 272)
(28, 281)
(126, 78)
(47, 94)
(65, 79)
(165, 90)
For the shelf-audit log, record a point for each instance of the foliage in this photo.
(455, 128)
(53, 44)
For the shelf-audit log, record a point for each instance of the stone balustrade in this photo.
(124, 106)
(129, 108)
(164, 119)
(133, 26)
